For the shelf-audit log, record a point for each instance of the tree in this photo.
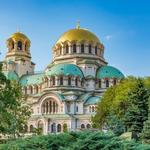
(137, 112)
(146, 129)
(14, 110)
(114, 101)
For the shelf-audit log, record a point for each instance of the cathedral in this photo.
(64, 96)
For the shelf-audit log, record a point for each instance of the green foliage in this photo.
(124, 106)
(14, 111)
(146, 130)
(86, 140)
(137, 111)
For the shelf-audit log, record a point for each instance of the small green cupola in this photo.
(65, 70)
(109, 72)
(11, 75)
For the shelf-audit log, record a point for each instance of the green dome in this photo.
(109, 72)
(31, 79)
(11, 75)
(64, 69)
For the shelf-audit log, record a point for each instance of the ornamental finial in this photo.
(78, 25)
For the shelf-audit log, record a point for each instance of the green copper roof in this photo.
(31, 79)
(109, 72)
(65, 69)
(92, 100)
(11, 75)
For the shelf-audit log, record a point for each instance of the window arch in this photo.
(59, 128)
(53, 128)
(25, 90)
(107, 83)
(19, 46)
(114, 81)
(88, 126)
(67, 49)
(69, 80)
(36, 89)
(40, 126)
(76, 81)
(49, 106)
(100, 83)
(25, 46)
(90, 49)
(95, 50)
(31, 89)
(25, 128)
(53, 80)
(65, 128)
(61, 80)
(82, 48)
(74, 48)
(12, 44)
(31, 128)
(82, 126)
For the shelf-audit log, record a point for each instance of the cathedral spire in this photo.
(78, 25)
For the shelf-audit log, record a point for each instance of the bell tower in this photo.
(19, 53)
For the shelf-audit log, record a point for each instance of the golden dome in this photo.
(19, 36)
(78, 34)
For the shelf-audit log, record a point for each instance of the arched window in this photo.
(25, 46)
(31, 89)
(65, 128)
(76, 81)
(19, 47)
(12, 44)
(53, 128)
(90, 109)
(69, 80)
(49, 106)
(36, 89)
(46, 82)
(74, 48)
(82, 126)
(59, 128)
(107, 83)
(93, 109)
(100, 84)
(114, 82)
(40, 127)
(95, 50)
(53, 80)
(67, 49)
(60, 50)
(25, 90)
(88, 126)
(31, 128)
(76, 108)
(61, 80)
(90, 49)
(82, 48)
(25, 128)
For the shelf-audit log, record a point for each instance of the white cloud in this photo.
(108, 37)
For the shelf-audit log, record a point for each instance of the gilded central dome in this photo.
(78, 34)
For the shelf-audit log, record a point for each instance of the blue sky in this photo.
(123, 26)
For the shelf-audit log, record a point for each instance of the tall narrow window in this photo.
(69, 80)
(107, 83)
(82, 48)
(67, 49)
(25, 47)
(59, 128)
(12, 45)
(74, 48)
(53, 80)
(19, 45)
(76, 81)
(36, 89)
(100, 83)
(61, 80)
(90, 49)
(95, 50)
(82, 126)
(114, 81)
